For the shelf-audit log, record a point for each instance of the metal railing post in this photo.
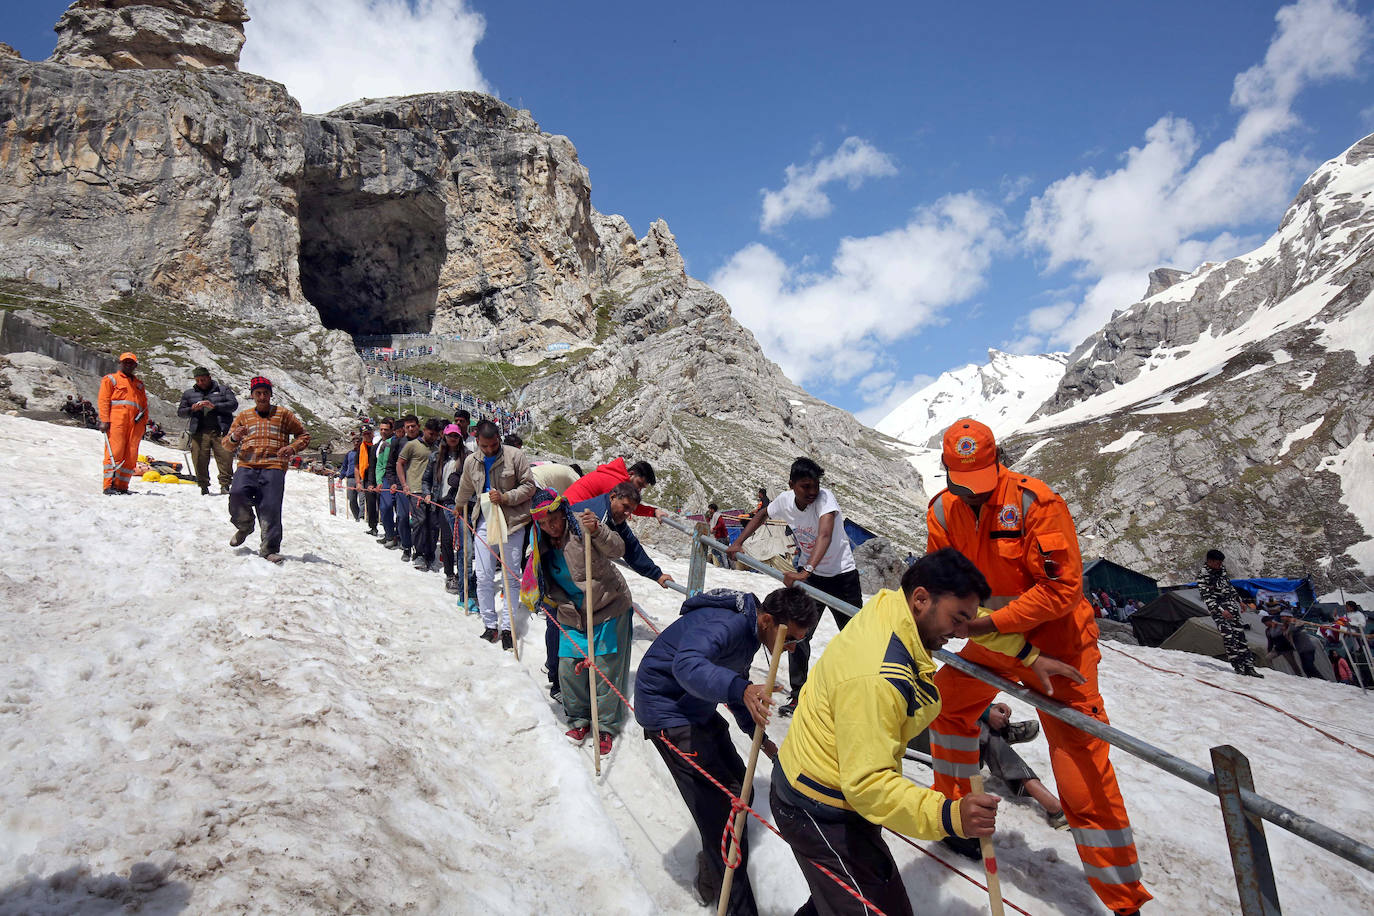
(696, 566)
(1259, 895)
(333, 506)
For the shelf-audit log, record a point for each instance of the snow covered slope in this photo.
(1003, 393)
(187, 728)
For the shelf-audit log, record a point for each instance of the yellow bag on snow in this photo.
(169, 478)
(152, 476)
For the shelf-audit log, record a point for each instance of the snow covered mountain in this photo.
(1233, 407)
(1003, 393)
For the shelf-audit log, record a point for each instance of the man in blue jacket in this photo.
(702, 660)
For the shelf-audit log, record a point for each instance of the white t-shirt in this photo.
(806, 525)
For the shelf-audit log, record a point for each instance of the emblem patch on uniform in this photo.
(966, 446)
(1009, 517)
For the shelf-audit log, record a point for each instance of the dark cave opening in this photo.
(370, 264)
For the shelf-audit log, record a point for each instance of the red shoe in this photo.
(606, 739)
(578, 735)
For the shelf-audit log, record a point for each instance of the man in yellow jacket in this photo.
(123, 418)
(838, 779)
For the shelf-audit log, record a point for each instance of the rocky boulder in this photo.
(151, 34)
(880, 564)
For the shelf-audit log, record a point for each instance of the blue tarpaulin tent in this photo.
(1300, 589)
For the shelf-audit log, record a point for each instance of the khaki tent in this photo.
(1199, 635)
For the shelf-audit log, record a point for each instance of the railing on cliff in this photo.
(412, 387)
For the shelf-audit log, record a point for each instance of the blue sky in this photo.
(884, 190)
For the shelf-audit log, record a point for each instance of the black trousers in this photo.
(370, 509)
(846, 587)
(354, 511)
(843, 842)
(709, 745)
(424, 529)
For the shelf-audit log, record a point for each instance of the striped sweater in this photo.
(258, 439)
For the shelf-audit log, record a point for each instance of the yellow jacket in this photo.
(868, 695)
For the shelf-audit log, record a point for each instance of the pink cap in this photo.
(453, 429)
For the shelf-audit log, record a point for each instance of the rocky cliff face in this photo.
(1234, 407)
(207, 194)
(151, 34)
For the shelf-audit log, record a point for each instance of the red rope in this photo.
(737, 804)
(1248, 696)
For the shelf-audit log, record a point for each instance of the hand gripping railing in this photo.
(1241, 808)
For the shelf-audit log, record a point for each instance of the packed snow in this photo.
(1003, 393)
(188, 728)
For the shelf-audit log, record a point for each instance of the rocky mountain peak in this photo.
(1161, 278)
(151, 34)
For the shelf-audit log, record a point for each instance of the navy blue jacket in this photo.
(701, 660)
(348, 469)
(635, 557)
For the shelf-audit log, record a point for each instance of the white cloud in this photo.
(1168, 205)
(328, 52)
(803, 194)
(883, 392)
(877, 289)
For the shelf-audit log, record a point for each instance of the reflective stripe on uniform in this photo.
(950, 768)
(954, 742)
(940, 510)
(126, 403)
(1102, 839)
(1113, 874)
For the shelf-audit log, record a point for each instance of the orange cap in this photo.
(124, 356)
(970, 456)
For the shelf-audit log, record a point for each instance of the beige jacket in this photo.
(510, 474)
(612, 595)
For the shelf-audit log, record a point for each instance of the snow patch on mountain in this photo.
(1122, 443)
(1003, 393)
(1354, 464)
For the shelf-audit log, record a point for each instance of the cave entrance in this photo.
(370, 264)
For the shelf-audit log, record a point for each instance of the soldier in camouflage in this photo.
(1223, 603)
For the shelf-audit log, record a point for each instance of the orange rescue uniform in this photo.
(123, 403)
(1023, 541)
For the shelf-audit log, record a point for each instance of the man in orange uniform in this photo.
(1019, 534)
(123, 418)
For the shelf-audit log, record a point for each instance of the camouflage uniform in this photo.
(1220, 595)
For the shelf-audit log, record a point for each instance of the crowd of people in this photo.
(548, 537)
(389, 354)
(410, 386)
(81, 409)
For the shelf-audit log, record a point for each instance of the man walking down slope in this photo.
(1217, 592)
(123, 417)
(209, 409)
(265, 437)
(1019, 534)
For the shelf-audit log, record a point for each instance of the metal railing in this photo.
(1243, 811)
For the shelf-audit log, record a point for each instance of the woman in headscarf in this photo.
(561, 571)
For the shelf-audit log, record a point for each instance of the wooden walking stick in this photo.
(989, 857)
(467, 562)
(747, 789)
(505, 597)
(589, 604)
